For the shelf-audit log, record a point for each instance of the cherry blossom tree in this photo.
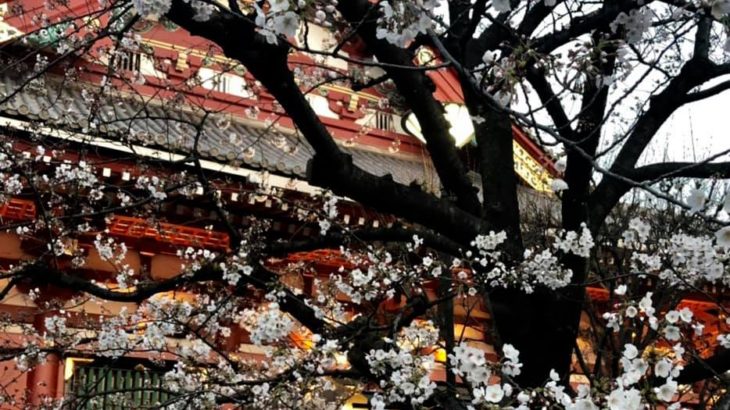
(596, 81)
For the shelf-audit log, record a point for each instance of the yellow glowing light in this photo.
(462, 129)
(356, 399)
(70, 364)
(301, 340)
(341, 360)
(440, 355)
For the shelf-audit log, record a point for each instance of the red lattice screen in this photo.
(17, 209)
(179, 235)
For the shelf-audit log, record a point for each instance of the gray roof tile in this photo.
(166, 126)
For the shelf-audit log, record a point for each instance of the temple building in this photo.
(173, 94)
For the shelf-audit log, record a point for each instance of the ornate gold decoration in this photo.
(530, 170)
(353, 103)
(182, 62)
(232, 63)
(425, 57)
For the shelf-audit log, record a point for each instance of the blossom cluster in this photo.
(538, 268)
(266, 325)
(637, 233)
(281, 19)
(634, 23)
(408, 373)
(577, 244)
(471, 364)
(152, 8)
(685, 260)
(330, 213)
(375, 275)
(401, 21)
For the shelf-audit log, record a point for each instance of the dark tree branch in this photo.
(233, 5)
(372, 83)
(394, 234)
(534, 16)
(490, 39)
(417, 89)
(581, 156)
(555, 109)
(695, 72)
(496, 157)
(702, 369)
(261, 278)
(462, 26)
(40, 273)
(264, 279)
(583, 25)
(706, 93)
(560, 316)
(496, 166)
(658, 171)
(702, 38)
(330, 167)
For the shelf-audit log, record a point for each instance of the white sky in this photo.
(695, 132)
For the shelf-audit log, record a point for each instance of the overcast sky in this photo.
(695, 132)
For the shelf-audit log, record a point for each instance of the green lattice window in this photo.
(106, 387)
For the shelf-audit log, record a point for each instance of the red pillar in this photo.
(43, 379)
